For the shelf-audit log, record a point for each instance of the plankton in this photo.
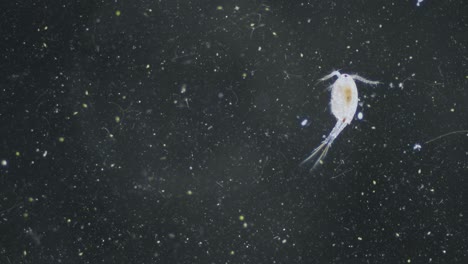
(344, 101)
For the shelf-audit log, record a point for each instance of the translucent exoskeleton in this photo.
(343, 103)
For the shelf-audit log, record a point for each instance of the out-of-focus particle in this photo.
(219, 8)
(84, 105)
(118, 13)
(241, 217)
(232, 253)
(117, 119)
(61, 139)
(189, 192)
(417, 147)
(4, 163)
(360, 115)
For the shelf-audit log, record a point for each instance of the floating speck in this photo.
(183, 89)
(4, 163)
(284, 241)
(359, 238)
(17, 153)
(189, 192)
(232, 253)
(417, 146)
(117, 119)
(241, 217)
(360, 115)
(304, 122)
(61, 139)
(84, 105)
(118, 13)
(219, 8)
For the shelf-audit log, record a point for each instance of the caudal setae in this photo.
(343, 103)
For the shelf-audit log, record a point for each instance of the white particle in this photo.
(284, 241)
(183, 89)
(45, 154)
(259, 48)
(304, 122)
(417, 147)
(4, 163)
(419, 2)
(360, 115)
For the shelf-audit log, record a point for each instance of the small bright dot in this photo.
(219, 8)
(360, 115)
(284, 241)
(189, 192)
(232, 252)
(117, 119)
(61, 139)
(4, 163)
(359, 238)
(417, 147)
(304, 122)
(85, 105)
(241, 217)
(118, 13)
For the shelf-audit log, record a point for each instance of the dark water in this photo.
(172, 132)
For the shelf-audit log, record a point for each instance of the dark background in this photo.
(170, 132)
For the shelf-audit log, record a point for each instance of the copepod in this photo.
(343, 103)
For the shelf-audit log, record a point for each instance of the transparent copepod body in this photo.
(344, 98)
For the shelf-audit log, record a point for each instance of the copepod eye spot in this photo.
(345, 75)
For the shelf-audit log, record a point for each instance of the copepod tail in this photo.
(321, 157)
(314, 153)
(322, 149)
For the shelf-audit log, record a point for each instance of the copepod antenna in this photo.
(334, 73)
(364, 80)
